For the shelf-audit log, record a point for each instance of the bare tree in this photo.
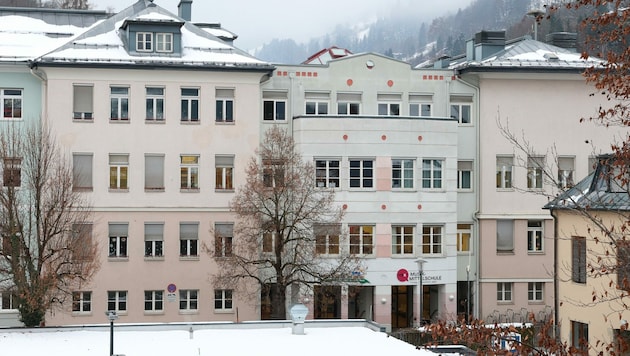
(47, 250)
(282, 219)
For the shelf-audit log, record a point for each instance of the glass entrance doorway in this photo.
(402, 306)
(360, 302)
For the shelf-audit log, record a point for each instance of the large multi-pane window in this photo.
(81, 302)
(7, 300)
(117, 300)
(579, 336)
(154, 172)
(432, 239)
(464, 175)
(12, 172)
(189, 171)
(274, 106)
(153, 239)
(504, 171)
(224, 105)
(153, 300)
(420, 105)
(82, 102)
(224, 169)
(534, 236)
(82, 171)
(119, 103)
(11, 103)
(144, 41)
(402, 173)
(504, 292)
(432, 173)
(566, 167)
(223, 236)
(464, 234)
(190, 104)
(118, 171)
(389, 109)
(461, 112)
(535, 172)
(327, 173)
(505, 235)
(327, 239)
(273, 173)
(578, 259)
(361, 173)
(118, 234)
(164, 42)
(402, 240)
(223, 299)
(535, 291)
(188, 299)
(361, 239)
(155, 103)
(188, 239)
(348, 103)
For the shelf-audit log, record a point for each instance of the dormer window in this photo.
(144, 42)
(164, 42)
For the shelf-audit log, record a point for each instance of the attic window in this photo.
(164, 42)
(149, 41)
(144, 41)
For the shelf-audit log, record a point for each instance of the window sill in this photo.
(83, 120)
(508, 253)
(464, 253)
(228, 123)
(118, 121)
(9, 311)
(224, 311)
(434, 190)
(505, 189)
(432, 255)
(154, 258)
(119, 312)
(505, 302)
(327, 255)
(536, 253)
(188, 312)
(189, 190)
(359, 189)
(79, 189)
(535, 302)
(118, 190)
(404, 190)
(154, 312)
(155, 121)
(79, 313)
(189, 258)
(189, 122)
(118, 259)
(465, 190)
(404, 256)
(154, 190)
(217, 190)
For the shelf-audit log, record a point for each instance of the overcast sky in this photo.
(259, 21)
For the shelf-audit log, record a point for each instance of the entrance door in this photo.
(360, 302)
(327, 302)
(402, 306)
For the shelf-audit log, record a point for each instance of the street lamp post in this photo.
(111, 315)
(535, 13)
(420, 262)
(467, 293)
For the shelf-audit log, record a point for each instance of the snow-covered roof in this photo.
(189, 340)
(529, 54)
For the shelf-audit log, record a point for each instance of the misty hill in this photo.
(405, 35)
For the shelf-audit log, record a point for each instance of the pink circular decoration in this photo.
(390, 83)
(419, 206)
(345, 206)
(420, 138)
(383, 207)
(345, 137)
(384, 137)
(349, 82)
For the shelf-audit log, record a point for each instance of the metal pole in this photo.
(467, 293)
(111, 337)
(420, 294)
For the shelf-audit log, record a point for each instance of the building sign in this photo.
(171, 296)
(403, 275)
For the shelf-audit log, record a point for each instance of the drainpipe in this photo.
(41, 76)
(476, 234)
(556, 302)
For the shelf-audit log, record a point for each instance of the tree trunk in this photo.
(279, 302)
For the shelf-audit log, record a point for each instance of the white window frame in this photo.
(268, 242)
(504, 292)
(224, 172)
(83, 102)
(566, 170)
(154, 104)
(144, 41)
(223, 299)
(153, 301)
(118, 171)
(189, 172)
(504, 171)
(432, 239)
(327, 173)
(119, 300)
(154, 240)
(403, 170)
(535, 292)
(316, 107)
(462, 231)
(119, 103)
(12, 172)
(189, 98)
(505, 236)
(224, 238)
(82, 171)
(349, 103)
(164, 42)
(388, 109)
(535, 174)
(224, 105)
(13, 96)
(465, 168)
(327, 239)
(189, 239)
(278, 110)
(361, 240)
(82, 302)
(420, 109)
(154, 172)
(7, 299)
(188, 300)
(118, 240)
(432, 173)
(403, 240)
(535, 236)
(361, 175)
(458, 111)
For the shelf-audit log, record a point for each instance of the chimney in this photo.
(566, 40)
(488, 43)
(184, 9)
